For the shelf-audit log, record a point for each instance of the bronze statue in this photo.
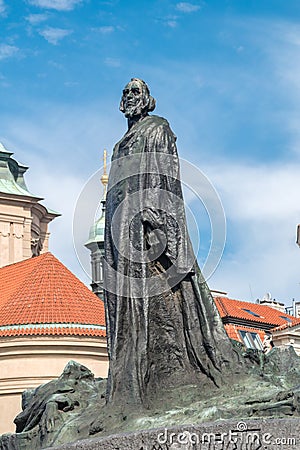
(162, 323)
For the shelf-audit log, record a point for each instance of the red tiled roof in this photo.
(267, 315)
(281, 327)
(233, 331)
(39, 295)
(286, 325)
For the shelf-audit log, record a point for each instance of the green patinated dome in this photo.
(12, 175)
(12, 178)
(96, 233)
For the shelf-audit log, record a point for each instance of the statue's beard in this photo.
(133, 111)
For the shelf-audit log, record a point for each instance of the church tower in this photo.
(96, 242)
(23, 219)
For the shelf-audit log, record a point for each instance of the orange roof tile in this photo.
(280, 327)
(41, 296)
(286, 325)
(263, 314)
(233, 331)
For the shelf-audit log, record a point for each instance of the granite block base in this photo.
(263, 434)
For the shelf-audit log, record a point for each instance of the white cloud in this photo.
(262, 208)
(283, 49)
(112, 62)
(54, 35)
(3, 81)
(239, 49)
(7, 51)
(35, 19)
(55, 64)
(259, 193)
(187, 7)
(71, 84)
(2, 8)
(59, 5)
(171, 23)
(278, 44)
(105, 29)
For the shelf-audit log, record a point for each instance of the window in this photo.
(251, 312)
(245, 337)
(251, 339)
(286, 318)
(257, 341)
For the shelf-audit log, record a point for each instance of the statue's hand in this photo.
(156, 243)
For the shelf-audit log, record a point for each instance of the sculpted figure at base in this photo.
(162, 323)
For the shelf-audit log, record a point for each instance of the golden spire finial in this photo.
(104, 178)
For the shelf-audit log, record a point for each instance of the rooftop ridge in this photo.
(287, 325)
(221, 304)
(33, 258)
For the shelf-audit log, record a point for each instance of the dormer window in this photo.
(251, 312)
(286, 318)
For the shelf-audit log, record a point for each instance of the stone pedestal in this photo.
(263, 434)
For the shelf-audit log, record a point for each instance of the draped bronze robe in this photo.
(163, 327)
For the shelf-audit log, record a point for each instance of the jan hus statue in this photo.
(163, 327)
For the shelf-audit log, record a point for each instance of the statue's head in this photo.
(136, 99)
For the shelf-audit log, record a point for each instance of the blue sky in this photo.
(226, 74)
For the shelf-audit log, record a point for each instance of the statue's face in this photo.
(133, 99)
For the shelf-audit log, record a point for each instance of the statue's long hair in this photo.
(149, 102)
